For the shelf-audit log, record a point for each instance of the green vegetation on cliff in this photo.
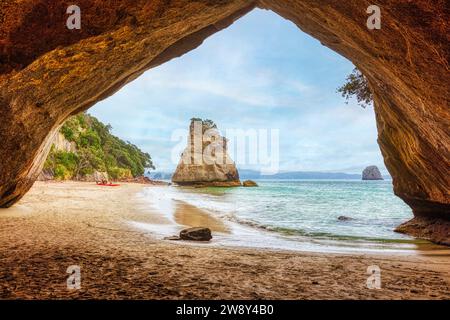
(96, 150)
(357, 86)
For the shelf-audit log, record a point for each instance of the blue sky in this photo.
(261, 73)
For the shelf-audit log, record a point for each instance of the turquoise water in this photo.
(309, 207)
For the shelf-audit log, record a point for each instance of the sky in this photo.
(261, 73)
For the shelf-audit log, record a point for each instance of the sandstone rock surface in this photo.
(436, 230)
(48, 73)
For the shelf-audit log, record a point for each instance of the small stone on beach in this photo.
(196, 234)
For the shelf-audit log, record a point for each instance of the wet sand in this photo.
(57, 225)
(190, 216)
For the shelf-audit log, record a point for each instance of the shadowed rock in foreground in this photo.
(205, 161)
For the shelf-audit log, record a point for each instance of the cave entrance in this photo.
(259, 76)
(49, 73)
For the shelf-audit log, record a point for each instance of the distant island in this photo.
(372, 173)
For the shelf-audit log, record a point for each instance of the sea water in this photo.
(369, 210)
(301, 215)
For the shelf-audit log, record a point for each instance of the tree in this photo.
(209, 124)
(357, 86)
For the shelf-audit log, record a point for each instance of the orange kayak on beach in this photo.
(108, 184)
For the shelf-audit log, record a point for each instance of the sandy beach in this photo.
(57, 225)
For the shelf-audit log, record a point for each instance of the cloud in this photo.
(239, 83)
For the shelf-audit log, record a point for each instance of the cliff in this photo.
(205, 160)
(84, 149)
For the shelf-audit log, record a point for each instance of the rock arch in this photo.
(48, 72)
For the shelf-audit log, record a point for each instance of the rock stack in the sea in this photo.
(372, 173)
(196, 234)
(205, 160)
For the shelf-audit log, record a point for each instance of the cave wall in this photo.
(48, 72)
(60, 72)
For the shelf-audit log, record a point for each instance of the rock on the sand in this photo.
(196, 234)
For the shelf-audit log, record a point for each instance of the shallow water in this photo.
(309, 208)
